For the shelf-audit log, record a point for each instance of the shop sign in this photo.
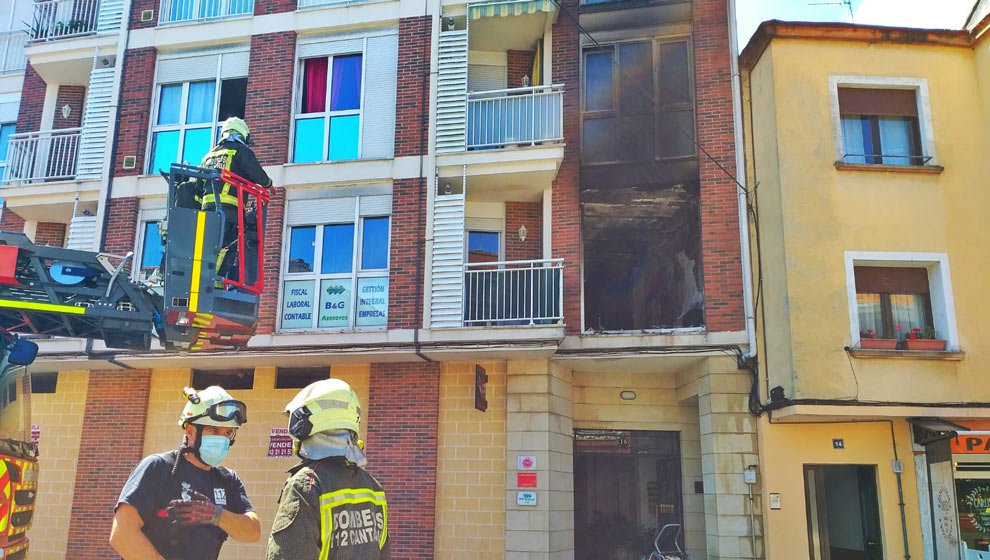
(279, 443)
(526, 498)
(526, 480)
(35, 434)
(335, 303)
(297, 304)
(970, 444)
(372, 308)
(974, 505)
(525, 462)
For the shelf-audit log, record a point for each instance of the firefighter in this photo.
(233, 153)
(330, 508)
(181, 504)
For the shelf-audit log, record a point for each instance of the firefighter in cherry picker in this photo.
(330, 508)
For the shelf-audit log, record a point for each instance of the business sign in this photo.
(525, 462)
(297, 304)
(279, 443)
(526, 480)
(970, 444)
(526, 498)
(372, 306)
(35, 434)
(335, 303)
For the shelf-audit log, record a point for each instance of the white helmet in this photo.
(212, 407)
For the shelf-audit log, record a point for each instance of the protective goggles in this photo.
(225, 411)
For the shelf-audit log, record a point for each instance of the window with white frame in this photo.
(6, 129)
(149, 249)
(328, 108)
(892, 295)
(335, 271)
(193, 96)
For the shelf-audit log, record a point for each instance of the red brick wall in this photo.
(72, 96)
(719, 217)
(32, 101)
(566, 212)
(263, 7)
(403, 407)
(121, 225)
(406, 252)
(269, 102)
(519, 64)
(138, 6)
(10, 221)
(411, 98)
(268, 307)
(135, 108)
(112, 427)
(529, 214)
(50, 233)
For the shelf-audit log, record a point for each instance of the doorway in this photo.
(843, 512)
(627, 484)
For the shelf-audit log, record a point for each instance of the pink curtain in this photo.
(314, 85)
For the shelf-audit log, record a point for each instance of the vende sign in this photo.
(279, 443)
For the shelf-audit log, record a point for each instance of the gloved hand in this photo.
(197, 511)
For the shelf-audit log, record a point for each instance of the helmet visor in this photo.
(229, 410)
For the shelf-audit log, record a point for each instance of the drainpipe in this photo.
(737, 125)
(106, 177)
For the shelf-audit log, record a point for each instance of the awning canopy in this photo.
(929, 430)
(510, 8)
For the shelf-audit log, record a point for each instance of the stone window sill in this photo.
(925, 169)
(950, 356)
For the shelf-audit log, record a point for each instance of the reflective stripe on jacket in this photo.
(220, 158)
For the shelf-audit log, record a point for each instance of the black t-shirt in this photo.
(145, 491)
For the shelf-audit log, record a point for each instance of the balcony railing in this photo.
(506, 117)
(303, 4)
(49, 155)
(12, 57)
(513, 293)
(61, 19)
(183, 11)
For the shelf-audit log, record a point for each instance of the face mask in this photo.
(213, 449)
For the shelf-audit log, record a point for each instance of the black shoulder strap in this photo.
(172, 460)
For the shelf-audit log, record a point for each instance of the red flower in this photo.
(898, 327)
(912, 336)
(916, 330)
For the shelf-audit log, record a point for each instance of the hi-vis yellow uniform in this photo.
(330, 510)
(238, 158)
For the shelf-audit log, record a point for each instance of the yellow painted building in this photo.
(866, 161)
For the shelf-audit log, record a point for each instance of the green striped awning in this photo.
(511, 8)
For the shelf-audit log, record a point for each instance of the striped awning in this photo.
(511, 8)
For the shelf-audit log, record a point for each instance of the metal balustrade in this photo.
(49, 155)
(12, 57)
(506, 117)
(303, 4)
(514, 293)
(182, 11)
(61, 19)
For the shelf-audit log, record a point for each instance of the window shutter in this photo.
(187, 69)
(485, 77)
(891, 280)
(321, 211)
(377, 205)
(879, 102)
(8, 112)
(235, 64)
(330, 48)
(378, 114)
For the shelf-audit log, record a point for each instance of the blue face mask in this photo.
(213, 449)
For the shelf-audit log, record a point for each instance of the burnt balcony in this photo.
(54, 20)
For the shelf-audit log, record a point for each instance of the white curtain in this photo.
(852, 140)
(870, 316)
(908, 311)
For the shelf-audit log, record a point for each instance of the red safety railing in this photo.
(261, 197)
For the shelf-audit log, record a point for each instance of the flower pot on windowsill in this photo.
(931, 345)
(878, 343)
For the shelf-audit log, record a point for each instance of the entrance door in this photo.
(627, 484)
(843, 512)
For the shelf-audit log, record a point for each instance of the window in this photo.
(6, 129)
(880, 126)
(483, 246)
(889, 297)
(336, 274)
(328, 113)
(45, 382)
(299, 377)
(641, 109)
(151, 248)
(231, 379)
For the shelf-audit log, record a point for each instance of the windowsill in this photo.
(950, 356)
(930, 169)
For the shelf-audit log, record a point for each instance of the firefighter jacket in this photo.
(238, 158)
(330, 509)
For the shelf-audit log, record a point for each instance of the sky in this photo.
(936, 14)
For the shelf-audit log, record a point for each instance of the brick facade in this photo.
(411, 96)
(138, 6)
(519, 64)
(719, 213)
(518, 214)
(265, 7)
(10, 221)
(137, 89)
(403, 408)
(269, 103)
(268, 306)
(73, 96)
(406, 253)
(32, 101)
(121, 225)
(113, 427)
(50, 233)
(566, 210)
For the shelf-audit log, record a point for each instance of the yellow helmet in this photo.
(328, 404)
(212, 406)
(235, 124)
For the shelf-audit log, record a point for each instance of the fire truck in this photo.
(56, 292)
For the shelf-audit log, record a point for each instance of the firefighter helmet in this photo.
(212, 406)
(326, 405)
(236, 125)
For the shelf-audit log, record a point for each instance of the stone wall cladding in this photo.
(269, 105)
(411, 97)
(117, 404)
(268, 307)
(518, 214)
(518, 64)
(133, 119)
(73, 96)
(50, 233)
(403, 409)
(11, 221)
(32, 101)
(719, 213)
(121, 225)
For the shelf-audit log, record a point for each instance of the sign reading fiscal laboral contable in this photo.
(279, 443)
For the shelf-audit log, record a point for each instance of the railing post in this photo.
(532, 122)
